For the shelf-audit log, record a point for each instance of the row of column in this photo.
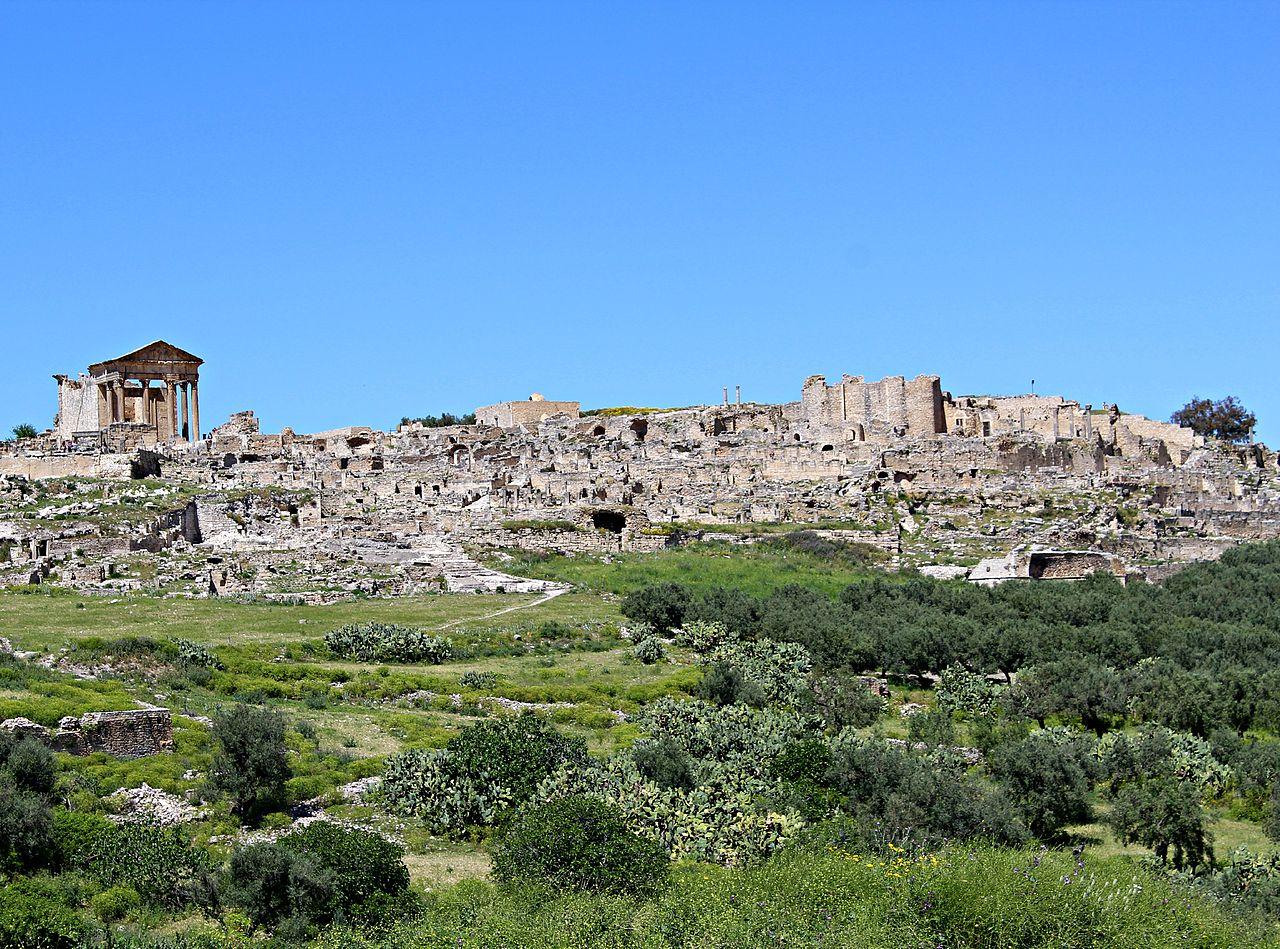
(190, 421)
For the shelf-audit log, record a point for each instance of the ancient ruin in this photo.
(116, 403)
(935, 481)
(133, 733)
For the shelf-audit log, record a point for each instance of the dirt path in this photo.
(545, 598)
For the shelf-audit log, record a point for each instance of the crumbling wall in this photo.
(133, 733)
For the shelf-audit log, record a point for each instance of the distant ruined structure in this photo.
(115, 401)
(985, 486)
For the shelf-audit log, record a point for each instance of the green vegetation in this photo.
(751, 569)
(387, 642)
(535, 525)
(783, 746)
(443, 420)
(25, 430)
(1226, 419)
(628, 410)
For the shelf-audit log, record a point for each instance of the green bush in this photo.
(30, 922)
(73, 836)
(664, 763)
(648, 649)
(318, 874)
(26, 819)
(480, 775)
(159, 863)
(578, 843)
(115, 903)
(386, 642)
(1047, 781)
(478, 680)
(196, 655)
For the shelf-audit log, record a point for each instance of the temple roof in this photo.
(152, 354)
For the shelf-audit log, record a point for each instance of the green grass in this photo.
(46, 618)
(755, 569)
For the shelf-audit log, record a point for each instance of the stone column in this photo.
(1055, 423)
(146, 400)
(1088, 421)
(171, 406)
(195, 411)
(186, 411)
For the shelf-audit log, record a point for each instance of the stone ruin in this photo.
(929, 479)
(134, 733)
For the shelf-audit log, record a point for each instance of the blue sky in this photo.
(360, 211)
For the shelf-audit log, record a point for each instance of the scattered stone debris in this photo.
(145, 804)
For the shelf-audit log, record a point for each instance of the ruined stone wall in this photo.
(77, 406)
(530, 412)
(857, 410)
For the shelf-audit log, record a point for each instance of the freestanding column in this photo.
(171, 407)
(186, 411)
(195, 411)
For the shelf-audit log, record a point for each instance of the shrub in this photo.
(73, 835)
(196, 655)
(579, 843)
(480, 775)
(478, 680)
(962, 691)
(31, 922)
(1047, 782)
(363, 864)
(25, 430)
(933, 727)
(664, 763)
(314, 876)
(159, 863)
(661, 606)
(1165, 815)
(26, 783)
(250, 762)
(115, 903)
(384, 642)
(842, 701)
(275, 886)
(777, 672)
(649, 650)
(725, 684)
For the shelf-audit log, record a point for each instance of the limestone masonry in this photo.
(126, 491)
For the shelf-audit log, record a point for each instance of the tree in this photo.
(26, 818)
(250, 763)
(1046, 781)
(579, 843)
(1165, 815)
(1226, 419)
(25, 430)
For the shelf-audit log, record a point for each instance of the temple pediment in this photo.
(158, 353)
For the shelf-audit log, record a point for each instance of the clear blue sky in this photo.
(360, 211)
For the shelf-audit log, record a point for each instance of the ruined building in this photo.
(931, 480)
(118, 397)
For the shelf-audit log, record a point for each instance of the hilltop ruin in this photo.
(936, 481)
